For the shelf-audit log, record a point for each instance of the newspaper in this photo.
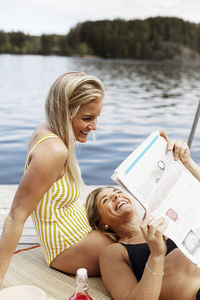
(164, 187)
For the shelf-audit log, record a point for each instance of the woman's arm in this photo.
(118, 275)
(45, 166)
(193, 168)
(120, 280)
(181, 151)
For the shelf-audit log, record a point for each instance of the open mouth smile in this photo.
(84, 132)
(120, 204)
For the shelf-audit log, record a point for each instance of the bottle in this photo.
(81, 290)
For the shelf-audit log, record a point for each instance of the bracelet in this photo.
(155, 273)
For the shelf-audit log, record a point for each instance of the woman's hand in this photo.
(180, 149)
(152, 231)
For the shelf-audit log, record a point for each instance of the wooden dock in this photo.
(30, 268)
(29, 237)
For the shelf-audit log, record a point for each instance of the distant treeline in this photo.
(152, 38)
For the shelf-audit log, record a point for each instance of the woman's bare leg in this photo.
(84, 254)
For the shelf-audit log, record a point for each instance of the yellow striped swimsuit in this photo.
(60, 219)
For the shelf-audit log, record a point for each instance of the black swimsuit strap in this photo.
(139, 254)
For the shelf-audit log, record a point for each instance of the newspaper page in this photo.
(164, 187)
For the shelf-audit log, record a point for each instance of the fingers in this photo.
(145, 223)
(171, 144)
(152, 231)
(164, 135)
(177, 150)
(157, 227)
(150, 226)
(161, 228)
(180, 150)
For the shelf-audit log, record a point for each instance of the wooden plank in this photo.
(29, 236)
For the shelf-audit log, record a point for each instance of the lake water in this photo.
(141, 96)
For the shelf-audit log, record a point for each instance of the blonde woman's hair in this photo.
(65, 97)
(93, 215)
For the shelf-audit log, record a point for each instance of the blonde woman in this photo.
(50, 187)
(142, 265)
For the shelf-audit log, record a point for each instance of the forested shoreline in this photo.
(152, 38)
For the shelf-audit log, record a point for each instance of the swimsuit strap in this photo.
(37, 143)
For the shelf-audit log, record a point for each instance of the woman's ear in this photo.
(105, 226)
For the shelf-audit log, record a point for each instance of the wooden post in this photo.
(194, 125)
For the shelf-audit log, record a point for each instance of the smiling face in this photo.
(86, 119)
(114, 206)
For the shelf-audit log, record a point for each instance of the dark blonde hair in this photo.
(93, 215)
(65, 97)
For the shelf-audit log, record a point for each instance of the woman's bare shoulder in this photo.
(113, 249)
(48, 152)
(115, 252)
(54, 145)
(41, 131)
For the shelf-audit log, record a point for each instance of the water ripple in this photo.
(140, 97)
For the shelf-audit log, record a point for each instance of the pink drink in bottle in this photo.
(81, 290)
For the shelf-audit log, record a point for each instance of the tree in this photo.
(3, 41)
(17, 40)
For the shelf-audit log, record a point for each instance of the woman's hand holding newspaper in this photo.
(180, 149)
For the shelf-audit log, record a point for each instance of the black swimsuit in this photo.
(139, 253)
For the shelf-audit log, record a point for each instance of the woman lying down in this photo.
(143, 264)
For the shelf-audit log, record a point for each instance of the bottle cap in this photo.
(82, 273)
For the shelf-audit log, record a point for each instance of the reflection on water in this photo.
(140, 97)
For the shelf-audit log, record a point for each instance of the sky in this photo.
(36, 17)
